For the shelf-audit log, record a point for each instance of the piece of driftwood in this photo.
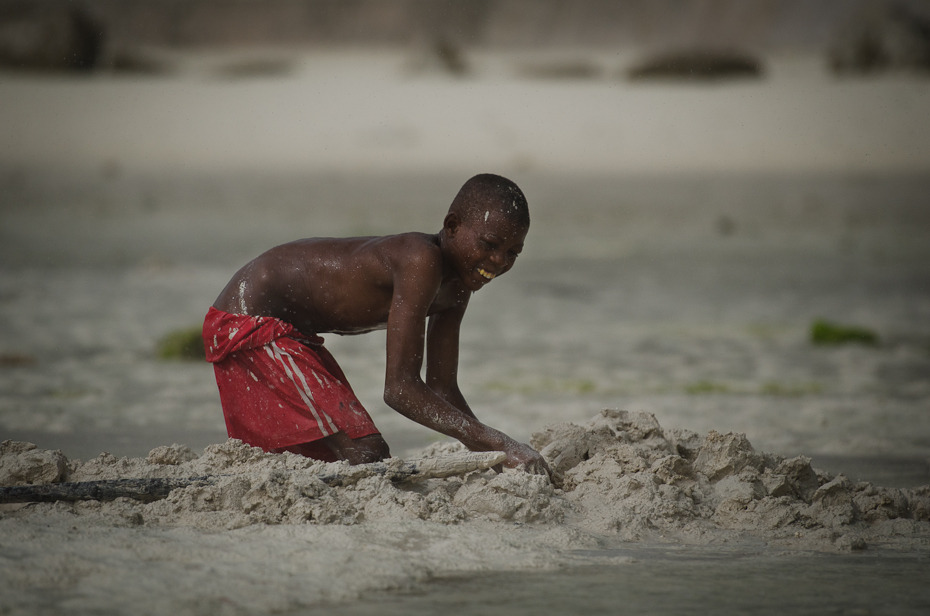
(152, 489)
(142, 489)
(421, 468)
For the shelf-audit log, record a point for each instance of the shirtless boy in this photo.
(280, 388)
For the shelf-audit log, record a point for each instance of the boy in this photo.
(280, 388)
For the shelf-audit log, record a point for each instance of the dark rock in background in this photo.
(698, 64)
(881, 37)
(44, 37)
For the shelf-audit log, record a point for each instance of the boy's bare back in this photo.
(417, 286)
(340, 285)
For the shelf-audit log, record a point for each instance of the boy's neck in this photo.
(447, 271)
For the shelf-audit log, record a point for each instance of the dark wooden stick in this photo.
(145, 490)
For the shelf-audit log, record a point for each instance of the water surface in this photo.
(683, 580)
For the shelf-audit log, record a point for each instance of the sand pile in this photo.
(621, 475)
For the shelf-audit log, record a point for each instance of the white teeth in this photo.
(485, 274)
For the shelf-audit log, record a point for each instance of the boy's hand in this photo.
(525, 457)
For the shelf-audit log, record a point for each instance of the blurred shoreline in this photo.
(368, 113)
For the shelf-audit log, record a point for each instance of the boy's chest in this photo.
(447, 297)
(372, 307)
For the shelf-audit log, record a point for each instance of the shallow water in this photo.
(682, 580)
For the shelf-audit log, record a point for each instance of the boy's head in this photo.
(487, 192)
(484, 231)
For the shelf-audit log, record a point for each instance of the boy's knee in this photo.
(364, 450)
(375, 449)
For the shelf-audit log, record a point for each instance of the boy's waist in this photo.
(225, 333)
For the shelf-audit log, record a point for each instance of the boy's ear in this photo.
(451, 223)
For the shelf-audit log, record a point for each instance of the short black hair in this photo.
(488, 190)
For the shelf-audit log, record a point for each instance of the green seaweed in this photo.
(543, 386)
(827, 333)
(774, 388)
(706, 387)
(184, 344)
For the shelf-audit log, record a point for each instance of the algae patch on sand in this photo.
(828, 333)
(184, 344)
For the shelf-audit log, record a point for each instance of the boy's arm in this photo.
(442, 356)
(415, 286)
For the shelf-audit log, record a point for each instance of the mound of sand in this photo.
(620, 475)
(624, 473)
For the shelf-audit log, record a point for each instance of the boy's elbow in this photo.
(403, 394)
(395, 396)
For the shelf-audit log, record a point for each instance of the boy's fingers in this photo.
(538, 467)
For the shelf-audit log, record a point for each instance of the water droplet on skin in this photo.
(242, 291)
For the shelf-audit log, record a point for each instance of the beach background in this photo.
(687, 232)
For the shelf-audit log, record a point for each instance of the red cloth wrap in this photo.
(278, 387)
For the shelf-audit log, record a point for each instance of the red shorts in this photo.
(278, 387)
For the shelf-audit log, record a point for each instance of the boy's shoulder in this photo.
(412, 247)
(401, 248)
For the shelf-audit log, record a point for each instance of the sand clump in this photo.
(24, 463)
(620, 475)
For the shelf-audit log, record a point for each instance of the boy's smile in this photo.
(487, 275)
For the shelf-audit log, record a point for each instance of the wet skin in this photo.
(415, 285)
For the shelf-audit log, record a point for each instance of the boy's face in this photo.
(484, 246)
